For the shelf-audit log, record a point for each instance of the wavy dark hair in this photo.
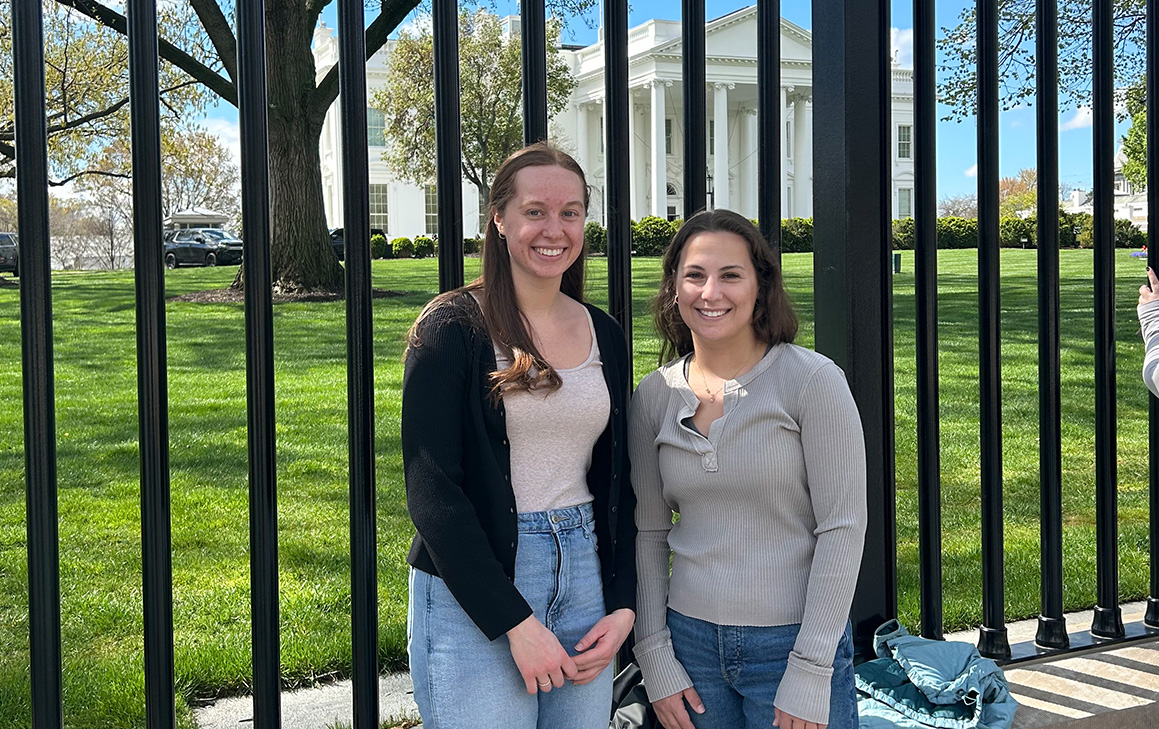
(495, 287)
(774, 320)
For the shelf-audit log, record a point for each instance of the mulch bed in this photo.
(281, 296)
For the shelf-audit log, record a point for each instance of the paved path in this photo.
(1126, 679)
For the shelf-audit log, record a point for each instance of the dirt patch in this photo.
(237, 296)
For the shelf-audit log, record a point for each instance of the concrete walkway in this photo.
(329, 706)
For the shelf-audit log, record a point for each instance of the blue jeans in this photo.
(464, 681)
(736, 671)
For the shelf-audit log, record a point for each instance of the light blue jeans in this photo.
(464, 681)
(736, 671)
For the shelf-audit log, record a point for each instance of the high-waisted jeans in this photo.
(736, 671)
(464, 681)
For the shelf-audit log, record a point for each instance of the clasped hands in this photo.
(673, 714)
(543, 663)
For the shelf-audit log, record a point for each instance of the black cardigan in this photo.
(457, 463)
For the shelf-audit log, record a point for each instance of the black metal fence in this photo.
(852, 234)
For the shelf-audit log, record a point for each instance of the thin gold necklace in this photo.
(713, 395)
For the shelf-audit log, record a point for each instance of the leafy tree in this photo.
(492, 99)
(1018, 195)
(1135, 141)
(1016, 53)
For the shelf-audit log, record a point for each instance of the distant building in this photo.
(656, 124)
(1129, 204)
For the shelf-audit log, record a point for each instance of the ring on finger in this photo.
(542, 684)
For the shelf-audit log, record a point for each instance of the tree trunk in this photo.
(302, 258)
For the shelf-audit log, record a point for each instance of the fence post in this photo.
(852, 276)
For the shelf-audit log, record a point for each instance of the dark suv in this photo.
(338, 240)
(201, 247)
(9, 253)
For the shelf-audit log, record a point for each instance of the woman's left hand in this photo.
(597, 648)
(788, 721)
(1149, 291)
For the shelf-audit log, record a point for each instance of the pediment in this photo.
(735, 36)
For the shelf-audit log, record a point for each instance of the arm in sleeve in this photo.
(434, 412)
(663, 674)
(834, 450)
(1149, 322)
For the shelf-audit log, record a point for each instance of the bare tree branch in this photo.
(171, 53)
(101, 173)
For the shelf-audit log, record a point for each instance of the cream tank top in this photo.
(552, 434)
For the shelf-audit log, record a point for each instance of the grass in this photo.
(99, 483)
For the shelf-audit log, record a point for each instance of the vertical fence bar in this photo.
(1108, 621)
(1152, 615)
(617, 175)
(152, 385)
(926, 296)
(695, 99)
(1051, 631)
(259, 326)
(360, 365)
(534, 39)
(36, 349)
(992, 641)
(852, 307)
(769, 121)
(448, 153)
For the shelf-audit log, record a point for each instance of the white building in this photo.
(656, 124)
(1129, 204)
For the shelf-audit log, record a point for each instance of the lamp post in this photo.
(711, 192)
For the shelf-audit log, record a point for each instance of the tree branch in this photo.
(101, 173)
(171, 53)
(220, 35)
(376, 36)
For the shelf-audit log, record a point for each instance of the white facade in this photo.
(656, 121)
(1129, 204)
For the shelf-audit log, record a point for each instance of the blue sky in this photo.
(956, 140)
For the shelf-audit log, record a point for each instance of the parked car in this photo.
(339, 242)
(201, 247)
(9, 253)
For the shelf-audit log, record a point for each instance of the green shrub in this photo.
(1084, 223)
(1067, 230)
(956, 232)
(472, 245)
(903, 234)
(1128, 236)
(402, 247)
(651, 236)
(1013, 229)
(379, 247)
(424, 247)
(595, 238)
(797, 235)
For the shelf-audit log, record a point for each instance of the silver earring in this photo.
(502, 237)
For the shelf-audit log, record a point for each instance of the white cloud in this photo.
(971, 171)
(1083, 117)
(228, 133)
(901, 45)
(419, 23)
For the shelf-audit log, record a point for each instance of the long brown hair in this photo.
(773, 318)
(495, 287)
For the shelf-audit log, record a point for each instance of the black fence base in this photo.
(1151, 618)
(1051, 633)
(1108, 622)
(992, 643)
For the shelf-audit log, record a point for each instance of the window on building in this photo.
(378, 207)
(711, 135)
(375, 128)
(601, 135)
(789, 140)
(904, 137)
(905, 202)
(432, 200)
(671, 213)
(667, 136)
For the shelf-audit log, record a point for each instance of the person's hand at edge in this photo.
(672, 713)
(541, 660)
(1149, 291)
(783, 720)
(597, 649)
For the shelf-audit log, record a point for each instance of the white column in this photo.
(720, 197)
(582, 150)
(659, 160)
(803, 155)
(633, 162)
(784, 152)
(748, 155)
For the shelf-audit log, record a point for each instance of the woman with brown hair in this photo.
(756, 445)
(514, 450)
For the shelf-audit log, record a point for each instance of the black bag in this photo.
(630, 706)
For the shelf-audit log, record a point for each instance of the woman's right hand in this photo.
(671, 712)
(1149, 291)
(541, 660)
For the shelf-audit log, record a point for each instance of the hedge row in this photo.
(419, 247)
(650, 235)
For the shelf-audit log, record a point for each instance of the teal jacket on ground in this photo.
(917, 683)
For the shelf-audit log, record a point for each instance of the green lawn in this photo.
(99, 490)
